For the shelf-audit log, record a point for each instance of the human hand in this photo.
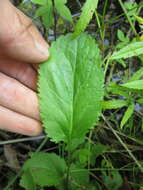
(21, 47)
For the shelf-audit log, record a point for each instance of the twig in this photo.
(128, 17)
(55, 20)
(78, 2)
(123, 144)
(22, 140)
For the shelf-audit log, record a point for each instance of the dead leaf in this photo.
(11, 157)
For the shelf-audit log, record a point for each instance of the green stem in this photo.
(98, 23)
(104, 10)
(123, 144)
(22, 140)
(42, 144)
(68, 167)
(55, 19)
(107, 64)
(128, 17)
(103, 19)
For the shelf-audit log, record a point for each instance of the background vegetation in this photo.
(112, 152)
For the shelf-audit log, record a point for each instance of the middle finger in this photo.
(17, 97)
(23, 72)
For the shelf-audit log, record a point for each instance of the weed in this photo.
(82, 77)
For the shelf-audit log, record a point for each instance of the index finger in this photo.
(19, 38)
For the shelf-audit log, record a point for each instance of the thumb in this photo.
(19, 38)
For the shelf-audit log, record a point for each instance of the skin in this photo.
(21, 49)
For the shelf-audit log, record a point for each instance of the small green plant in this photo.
(131, 88)
(70, 94)
(48, 8)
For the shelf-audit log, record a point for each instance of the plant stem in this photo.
(42, 144)
(22, 140)
(123, 144)
(128, 17)
(78, 2)
(99, 25)
(107, 64)
(55, 20)
(103, 20)
(13, 180)
(68, 169)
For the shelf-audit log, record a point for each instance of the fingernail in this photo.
(42, 49)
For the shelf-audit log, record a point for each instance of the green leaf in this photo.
(113, 88)
(27, 181)
(41, 11)
(63, 10)
(139, 19)
(137, 75)
(47, 18)
(114, 104)
(46, 12)
(80, 176)
(121, 35)
(127, 114)
(138, 84)
(81, 155)
(71, 88)
(46, 169)
(133, 49)
(119, 46)
(113, 180)
(132, 8)
(140, 101)
(40, 2)
(97, 150)
(61, 1)
(85, 17)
